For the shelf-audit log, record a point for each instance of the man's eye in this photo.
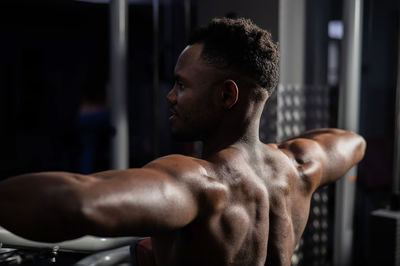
(180, 84)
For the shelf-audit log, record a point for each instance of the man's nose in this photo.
(171, 97)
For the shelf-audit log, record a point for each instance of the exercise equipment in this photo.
(15, 250)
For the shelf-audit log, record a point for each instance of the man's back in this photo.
(254, 202)
(243, 205)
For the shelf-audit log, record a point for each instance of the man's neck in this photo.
(240, 128)
(248, 137)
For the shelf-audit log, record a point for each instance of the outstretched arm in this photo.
(56, 206)
(324, 155)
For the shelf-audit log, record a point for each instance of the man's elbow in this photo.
(359, 145)
(363, 146)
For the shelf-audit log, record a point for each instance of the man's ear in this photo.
(229, 93)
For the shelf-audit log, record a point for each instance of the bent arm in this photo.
(57, 206)
(325, 155)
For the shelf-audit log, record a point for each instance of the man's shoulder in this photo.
(178, 164)
(298, 150)
(197, 174)
(184, 168)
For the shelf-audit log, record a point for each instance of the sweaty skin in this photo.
(243, 203)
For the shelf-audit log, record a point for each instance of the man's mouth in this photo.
(173, 113)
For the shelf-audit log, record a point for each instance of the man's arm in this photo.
(324, 155)
(56, 206)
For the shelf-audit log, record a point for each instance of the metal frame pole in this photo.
(349, 98)
(156, 82)
(396, 162)
(118, 54)
(292, 35)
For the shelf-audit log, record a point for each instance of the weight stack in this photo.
(385, 238)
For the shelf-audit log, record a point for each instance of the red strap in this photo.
(144, 253)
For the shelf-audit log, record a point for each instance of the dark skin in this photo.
(243, 203)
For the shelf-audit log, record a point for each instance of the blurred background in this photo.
(56, 91)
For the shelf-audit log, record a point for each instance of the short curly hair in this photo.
(240, 46)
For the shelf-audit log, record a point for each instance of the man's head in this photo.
(221, 59)
(241, 47)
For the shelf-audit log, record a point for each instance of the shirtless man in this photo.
(243, 203)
